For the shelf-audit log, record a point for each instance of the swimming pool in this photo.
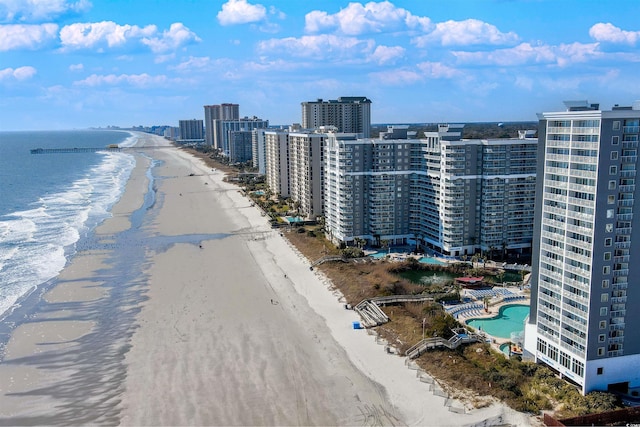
(510, 319)
(431, 260)
(292, 219)
(379, 255)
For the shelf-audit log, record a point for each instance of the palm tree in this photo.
(474, 260)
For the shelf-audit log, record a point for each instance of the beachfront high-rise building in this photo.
(240, 146)
(294, 167)
(191, 131)
(442, 192)
(584, 270)
(349, 114)
(258, 151)
(276, 147)
(218, 112)
(222, 130)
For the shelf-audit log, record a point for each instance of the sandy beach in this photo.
(189, 309)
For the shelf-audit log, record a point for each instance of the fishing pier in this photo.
(74, 150)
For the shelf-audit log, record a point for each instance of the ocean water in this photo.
(50, 202)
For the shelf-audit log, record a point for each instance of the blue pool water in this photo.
(379, 255)
(292, 219)
(430, 260)
(509, 319)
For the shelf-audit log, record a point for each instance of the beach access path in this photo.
(234, 328)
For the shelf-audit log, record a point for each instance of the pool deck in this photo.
(494, 308)
(403, 256)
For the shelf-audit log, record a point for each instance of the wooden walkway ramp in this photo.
(371, 314)
(452, 343)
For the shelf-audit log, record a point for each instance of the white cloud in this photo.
(437, 70)
(400, 77)
(567, 54)
(76, 67)
(357, 19)
(26, 36)
(97, 34)
(20, 73)
(194, 62)
(524, 82)
(136, 80)
(612, 34)
(518, 55)
(241, 12)
(318, 47)
(177, 36)
(39, 10)
(464, 33)
(108, 34)
(387, 54)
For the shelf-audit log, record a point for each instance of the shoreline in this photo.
(227, 326)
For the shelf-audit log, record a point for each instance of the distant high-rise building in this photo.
(223, 128)
(218, 112)
(240, 149)
(582, 321)
(191, 131)
(349, 114)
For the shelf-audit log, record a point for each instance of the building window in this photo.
(602, 337)
(608, 228)
(600, 370)
(553, 353)
(542, 346)
(612, 185)
(610, 212)
(565, 360)
(603, 311)
(613, 170)
(611, 200)
(608, 241)
(605, 284)
(604, 298)
(603, 324)
(614, 155)
(616, 125)
(578, 367)
(607, 256)
(615, 140)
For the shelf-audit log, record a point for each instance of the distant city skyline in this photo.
(68, 64)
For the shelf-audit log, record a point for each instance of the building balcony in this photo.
(621, 272)
(624, 217)
(558, 131)
(622, 245)
(623, 231)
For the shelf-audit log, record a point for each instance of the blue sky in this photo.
(80, 63)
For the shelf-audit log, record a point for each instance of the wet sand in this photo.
(220, 322)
